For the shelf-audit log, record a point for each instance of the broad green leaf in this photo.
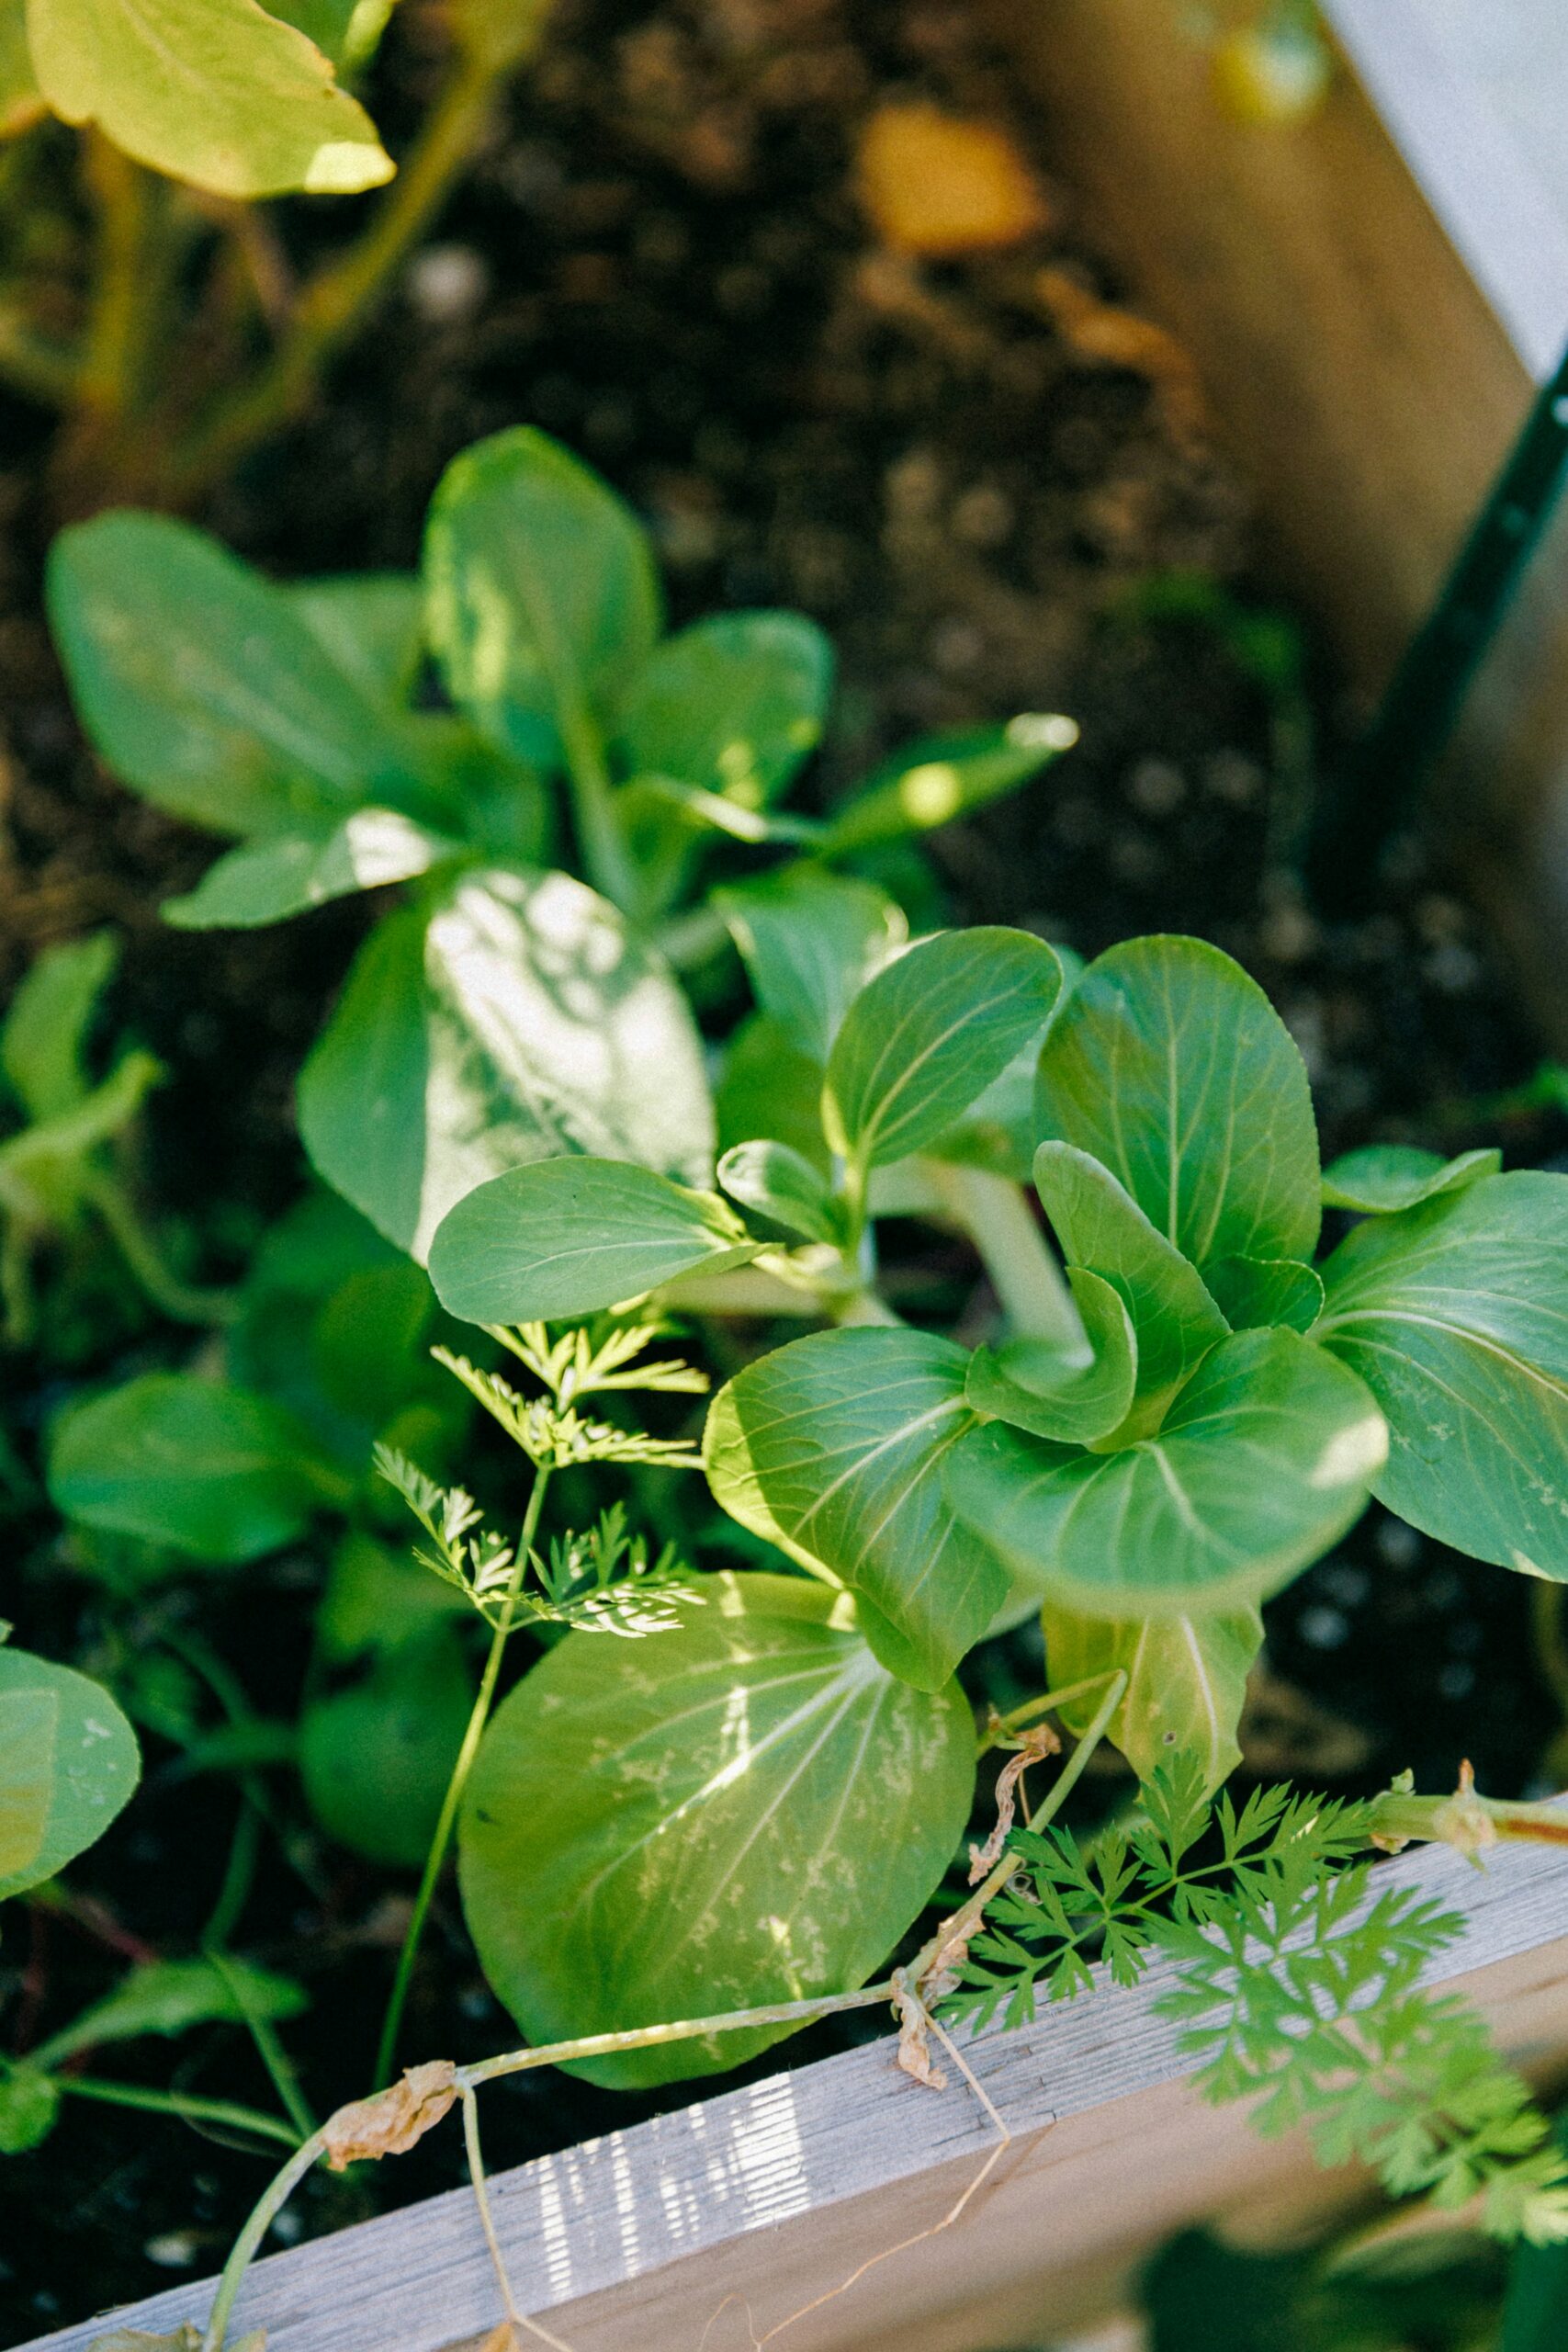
(93, 1761)
(748, 1809)
(733, 705)
(1186, 1682)
(1383, 1178)
(560, 1239)
(30, 2103)
(204, 688)
(21, 101)
(371, 624)
(265, 881)
(375, 1599)
(367, 1343)
(169, 1997)
(29, 1726)
(44, 1033)
(1455, 1314)
(1073, 1396)
(925, 1039)
(543, 602)
(1266, 1456)
(1102, 1228)
(214, 92)
(1171, 1066)
(932, 783)
(810, 941)
(1255, 1292)
(996, 1132)
(519, 1022)
(206, 1469)
(833, 1448)
(376, 1757)
(783, 1185)
(769, 1089)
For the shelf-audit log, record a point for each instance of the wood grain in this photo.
(704, 2229)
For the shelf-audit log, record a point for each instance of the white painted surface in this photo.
(1475, 92)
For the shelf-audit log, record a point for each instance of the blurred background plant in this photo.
(147, 289)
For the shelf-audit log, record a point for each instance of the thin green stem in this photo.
(239, 1873)
(386, 2050)
(1032, 1709)
(269, 2049)
(268, 2206)
(191, 2110)
(124, 299)
(180, 1301)
(339, 298)
(651, 2037)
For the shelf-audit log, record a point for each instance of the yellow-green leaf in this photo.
(214, 92)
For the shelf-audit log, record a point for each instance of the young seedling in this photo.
(507, 1011)
(56, 1173)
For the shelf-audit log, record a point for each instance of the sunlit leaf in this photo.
(1101, 1227)
(1266, 1456)
(733, 705)
(21, 100)
(543, 600)
(1170, 1066)
(833, 1447)
(929, 783)
(519, 1022)
(923, 1040)
(677, 1828)
(265, 881)
(1455, 1314)
(563, 1238)
(215, 92)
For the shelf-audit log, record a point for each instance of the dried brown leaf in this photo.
(914, 2035)
(389, 2123)
(1034, 1749)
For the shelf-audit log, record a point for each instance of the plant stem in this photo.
(124, 195)
(243, 2251)
(340, 297)
(1018, 1717)
(239, 1873)
(193, 2110)
(1024, 1274)
(1467, 1822)
(447, 1820)
(649, 2037)
(180, 1301)
(605, 858)
(269, 2049)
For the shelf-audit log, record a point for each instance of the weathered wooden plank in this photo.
(760, 2199)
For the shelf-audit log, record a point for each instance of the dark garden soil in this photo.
(996, 489)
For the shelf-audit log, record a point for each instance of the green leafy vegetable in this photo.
(933, 782)
(1455, 1314)
(265, 881)
(928, 1035)
(1266, 1457)
(1073, 1396)
(1256, 1292)
(375, 1757)
(733, 705)
(567, 1236)
(811, 939)
(833, 1448)
(783, 1185)
(169, 1997)
(1186, 1683)
(1173, 1070)
(520, 1020)
(693, 1838)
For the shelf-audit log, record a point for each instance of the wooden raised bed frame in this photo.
(702, 2231)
